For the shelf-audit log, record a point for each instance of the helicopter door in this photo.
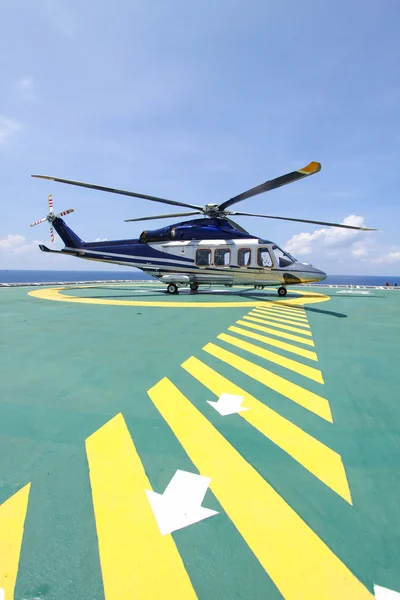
(264, 259)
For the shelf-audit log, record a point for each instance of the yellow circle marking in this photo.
(55, 294)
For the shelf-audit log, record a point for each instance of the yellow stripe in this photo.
(297, 560)
(275, 324)
(57, 295)
(277, 313)
(317, 458)
(12, 522)
(283, 313)
(287, 363)
(307, 399)
(299, 310)
(281, 334)
(271, 342)
(272, 316)
(283, 306)
(136, 560)
(289, 302)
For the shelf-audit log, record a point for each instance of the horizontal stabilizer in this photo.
(46, 249)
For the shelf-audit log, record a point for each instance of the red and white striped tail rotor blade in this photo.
(52, 238)
(65, 212)
(40, 221)
(50, 203)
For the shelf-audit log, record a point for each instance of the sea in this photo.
(14, 276)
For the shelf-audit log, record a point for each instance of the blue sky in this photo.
(199, 101)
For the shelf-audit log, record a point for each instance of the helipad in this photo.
(153, 295)
(249, 450)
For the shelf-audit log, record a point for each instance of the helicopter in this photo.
(211, 250)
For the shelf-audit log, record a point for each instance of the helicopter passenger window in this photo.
(244, 257)
(222, 257)
(264, 257)
(203, 257)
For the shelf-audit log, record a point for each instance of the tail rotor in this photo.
(51, 216)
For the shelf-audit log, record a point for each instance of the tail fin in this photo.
(69, 237)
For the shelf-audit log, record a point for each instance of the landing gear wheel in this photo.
(282, 291)
(194, 287)
(172, 288)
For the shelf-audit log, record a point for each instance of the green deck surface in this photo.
(68, 368)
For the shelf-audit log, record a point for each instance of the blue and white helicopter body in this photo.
(213, 250)
(226, 256)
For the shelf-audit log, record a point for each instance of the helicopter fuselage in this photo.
(201, 251)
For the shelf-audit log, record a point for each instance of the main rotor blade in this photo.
(103, 188)
(310, 169)
(185, 214)
(242, 214)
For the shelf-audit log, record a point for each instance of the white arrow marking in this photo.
(382, 593)
(180, 504)
(228, 404)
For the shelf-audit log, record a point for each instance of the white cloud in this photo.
(16, 252)
(330, 241)
(16, 245)
(343, 250)
(26, 86)
(8, 128)
(361, 249)
(389, 258)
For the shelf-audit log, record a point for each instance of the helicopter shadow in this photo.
(269, 298)
(294, 296)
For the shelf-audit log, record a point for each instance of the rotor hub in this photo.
(213, 210)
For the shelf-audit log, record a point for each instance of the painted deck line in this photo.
(276, 324)
(12, 522)
(313, 455)
(279, 312)
(273, 314)
(279, 319)
(300, 564)
(278, 359)
(55, 293)
(136, 560)
(281, 334)
(308, 400)
(278, 344)
(290, 310)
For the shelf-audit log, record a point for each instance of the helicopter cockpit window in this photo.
(264, 258)
(203, 257)
(282, 258)
(222, 257)
(244, 257)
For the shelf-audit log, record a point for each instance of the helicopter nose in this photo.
(321, 275)
(309, 274)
